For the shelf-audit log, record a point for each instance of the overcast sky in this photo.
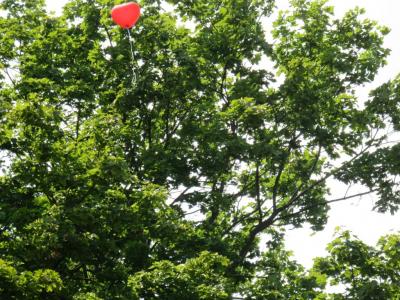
(355, 215)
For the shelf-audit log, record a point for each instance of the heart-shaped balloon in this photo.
(126, 15)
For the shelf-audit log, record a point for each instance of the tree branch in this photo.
(258, 200)
(271, 219)
(277, 179)
(311, 170)
(108, 36)
(325, 203)
(180, 197)
(253, 233)
(78, 121)
(327, 176)
(10, 77)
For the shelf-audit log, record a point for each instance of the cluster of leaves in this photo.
(163, 189)
(358, 270)
(199, 278)
(27, 284)
(362, 271)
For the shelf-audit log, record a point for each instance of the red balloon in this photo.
(126, 15)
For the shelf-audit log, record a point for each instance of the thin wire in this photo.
(134, 77)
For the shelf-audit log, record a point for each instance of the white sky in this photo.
(355, 215)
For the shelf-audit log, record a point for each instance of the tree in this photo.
(364, 271)
(163, 189)
(361, 271)
(278, 276)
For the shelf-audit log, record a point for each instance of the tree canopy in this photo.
(164, 189)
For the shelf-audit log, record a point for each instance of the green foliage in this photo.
(364, 272)
(280, 277)
(201, 277)
(15, 284)
(163, 189)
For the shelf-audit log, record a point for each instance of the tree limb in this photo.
(325, 203)
(258, 191)
(271, 219)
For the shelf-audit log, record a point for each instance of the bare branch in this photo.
(108, 36)
(180, 197)
(192, 212)
(10, 77)
(325, 203)
(352, 196)
(258, 191)
(347, 190)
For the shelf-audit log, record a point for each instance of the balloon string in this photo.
(134, 77)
